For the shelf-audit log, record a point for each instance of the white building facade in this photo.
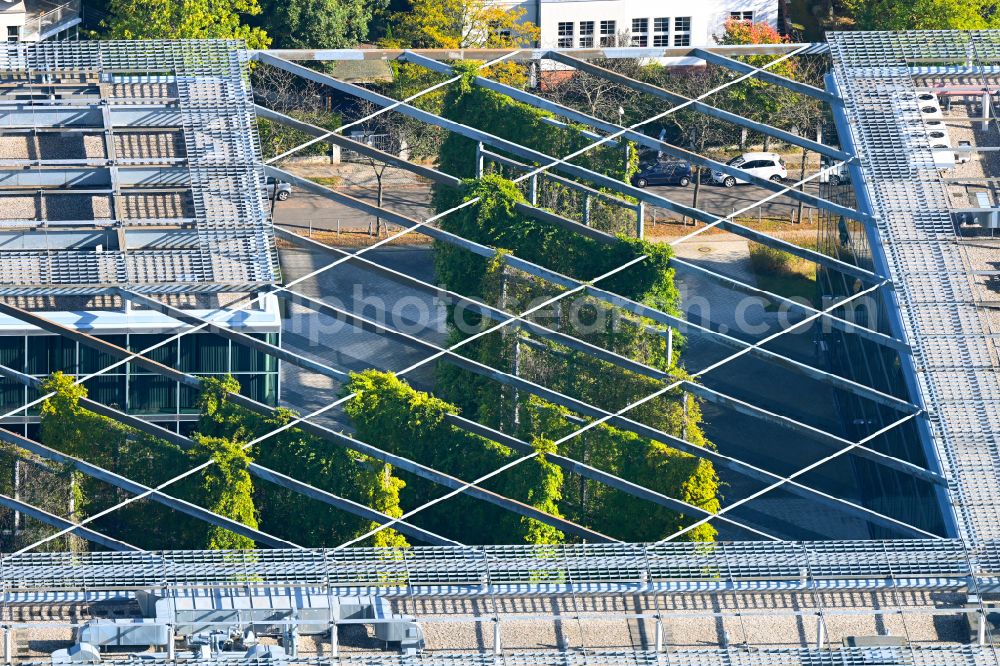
(646, 23)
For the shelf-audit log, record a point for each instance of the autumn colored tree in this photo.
(184, 19)
(752, 97)
(454, 24)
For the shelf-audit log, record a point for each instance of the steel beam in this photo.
(836, 322)
(830, 440)
(715, 58)
(640, 138)
(313, 428)
(94, 180)
(548, 217)
(118, 481)
(43, 516)
(342, 141)
(617, 420)
(528, 54)
(87, 116)
(454, 299)
(571, 169)
(572, 184)
(608, 297)
(701, 107)
(255, 469)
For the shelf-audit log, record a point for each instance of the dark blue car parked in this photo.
(664, 173)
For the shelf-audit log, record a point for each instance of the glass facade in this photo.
(885, 490)
(131, 387)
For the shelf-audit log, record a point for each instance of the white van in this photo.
(769, 166)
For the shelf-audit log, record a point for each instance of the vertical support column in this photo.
(17, 495)
(684, 422)
(171, 652)
(534, 189)
(986, 111)
(659, 634)
(8, 645)
(820, 631)
(586, 209)
(479, 160)
(640, 220)
(670, 345)
(497, 647)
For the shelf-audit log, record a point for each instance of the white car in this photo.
(763, 165)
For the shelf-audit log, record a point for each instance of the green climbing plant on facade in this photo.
(307, 458)
(225, 487)
(495, 220)
(412, 423)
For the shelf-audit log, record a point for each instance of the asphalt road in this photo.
(304, 209)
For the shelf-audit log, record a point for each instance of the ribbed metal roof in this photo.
(955, 356)
(173, 115)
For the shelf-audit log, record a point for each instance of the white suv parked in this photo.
(762, 165)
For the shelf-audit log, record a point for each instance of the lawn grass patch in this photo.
(782, 273)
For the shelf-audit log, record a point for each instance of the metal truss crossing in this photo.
(471, 571)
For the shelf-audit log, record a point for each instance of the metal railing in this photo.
(36, 26)
(468, 571)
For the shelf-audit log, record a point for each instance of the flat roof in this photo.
(131, 163)
(951, 330)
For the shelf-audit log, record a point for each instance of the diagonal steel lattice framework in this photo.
(935, 562)
(597, 414)
(669, 439)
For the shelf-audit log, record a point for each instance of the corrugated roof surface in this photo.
(200, 88)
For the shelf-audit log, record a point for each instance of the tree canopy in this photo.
(453, 24)
(184, 19)
(319, 24)
(924, 14)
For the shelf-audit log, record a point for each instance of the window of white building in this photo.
(609, 30)
(741, 16)
(661, 32)
(565, 35)
(13, 33)
(640, 32)
(586, 34)
(682, 31)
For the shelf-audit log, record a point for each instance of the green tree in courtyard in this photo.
(319, 24)
(184, 19)
(924, 14)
